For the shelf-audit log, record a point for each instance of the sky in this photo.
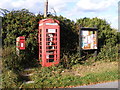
(71, 9)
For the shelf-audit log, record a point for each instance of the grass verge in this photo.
(57, 78)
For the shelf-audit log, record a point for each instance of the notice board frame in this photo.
(80, 40)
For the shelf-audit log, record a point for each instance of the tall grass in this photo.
(53, 79)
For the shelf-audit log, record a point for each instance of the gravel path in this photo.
(102, 85)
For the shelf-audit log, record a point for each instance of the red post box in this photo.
(20, 42)
(49, 42)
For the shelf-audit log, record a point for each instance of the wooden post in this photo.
(95, 53)
(45, 8)
(17, 44)
(0, 26)
(80, 42)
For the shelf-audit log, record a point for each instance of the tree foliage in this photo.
(106, 35)
(68, 35)
(108, 38)
(24, 23)
(21, 23)
(18, 23)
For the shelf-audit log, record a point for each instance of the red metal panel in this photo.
(43, 46)
(49, 42)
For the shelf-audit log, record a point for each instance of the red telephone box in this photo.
(49, 42)
(20, 42)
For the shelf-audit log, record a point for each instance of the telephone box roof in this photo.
(49, 20)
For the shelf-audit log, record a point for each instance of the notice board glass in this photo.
(88, 39)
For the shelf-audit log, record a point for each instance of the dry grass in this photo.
(78, 75)
(97, 67)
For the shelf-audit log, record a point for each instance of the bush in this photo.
(108, 38)
(10, 79)
(10, 60)
(20, 23)
(24, 23)
(68, 60)
(108, 53)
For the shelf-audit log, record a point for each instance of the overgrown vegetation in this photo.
(24, 23)
(109, 53)
(10, 79)
(58, 77)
